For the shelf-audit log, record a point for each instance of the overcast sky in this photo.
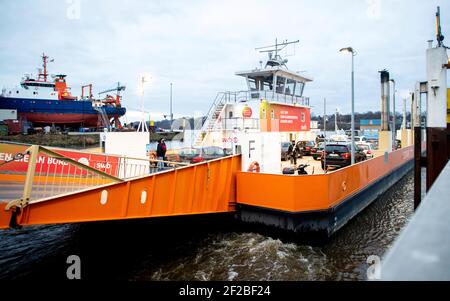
(198, 45)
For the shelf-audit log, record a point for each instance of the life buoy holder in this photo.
(152, 158)
(254, 167)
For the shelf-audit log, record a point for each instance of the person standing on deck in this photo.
(293, 152)
(289, 151)
(161, 153)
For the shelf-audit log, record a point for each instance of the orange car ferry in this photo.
(249, 184)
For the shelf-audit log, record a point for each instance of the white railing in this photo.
(238, 123)
(241, 96)
(66, 175)
(222, 98)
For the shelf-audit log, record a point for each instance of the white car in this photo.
(360, 139)
(367, 148)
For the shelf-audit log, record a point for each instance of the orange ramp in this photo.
(197, 189)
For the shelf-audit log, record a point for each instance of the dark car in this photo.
(305, 147)
(187, 154)
(316, 151)
(209, 153)
(339, 155)
(285, 151)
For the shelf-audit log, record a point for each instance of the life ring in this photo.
(152, 158)
(254, 167)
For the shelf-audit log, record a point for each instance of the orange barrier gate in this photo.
(316, 192)
(197, 189)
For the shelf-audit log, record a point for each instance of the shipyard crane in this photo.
(113, 100)
(117, 89)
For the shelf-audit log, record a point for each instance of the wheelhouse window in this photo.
(267, 85)
(281, 82)
(260, 83)
(299, 88)
(252, 84)
(290, 87)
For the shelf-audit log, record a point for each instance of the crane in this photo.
(111, 100)
(117, 89)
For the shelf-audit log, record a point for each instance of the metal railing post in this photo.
(34, 152)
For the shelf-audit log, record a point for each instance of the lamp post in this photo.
(143, 123)
(171, 112)
(394, 131)
(353, 53)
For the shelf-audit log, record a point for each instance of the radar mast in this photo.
(273, 53)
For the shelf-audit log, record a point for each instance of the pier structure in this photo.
(385, 134)
(421, 252)
(432, 137)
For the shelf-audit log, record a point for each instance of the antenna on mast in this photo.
(439, 36)
(276, 60)
(44, 74)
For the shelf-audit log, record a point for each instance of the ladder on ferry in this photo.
(212, 117)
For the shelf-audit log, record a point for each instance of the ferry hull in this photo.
(322, 222)
(319, 204)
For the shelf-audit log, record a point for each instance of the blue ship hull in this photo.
(62, 112)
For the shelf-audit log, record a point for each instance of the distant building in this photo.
(370, 124)
(370, 128)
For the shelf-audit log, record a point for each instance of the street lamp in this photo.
(353, 52)
(394, 134)
(144, 78)
(171, 112)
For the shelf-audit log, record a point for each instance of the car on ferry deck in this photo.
(210, 153)
(367, 148)
(339, 155)
(316, 151)
(360, 139)
(186, 154)
(305, 147)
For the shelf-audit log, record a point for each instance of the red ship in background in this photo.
(42, 102)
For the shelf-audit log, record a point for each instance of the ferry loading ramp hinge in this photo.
(15, 207)
(20, 203)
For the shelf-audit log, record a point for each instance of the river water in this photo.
(213, 248)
